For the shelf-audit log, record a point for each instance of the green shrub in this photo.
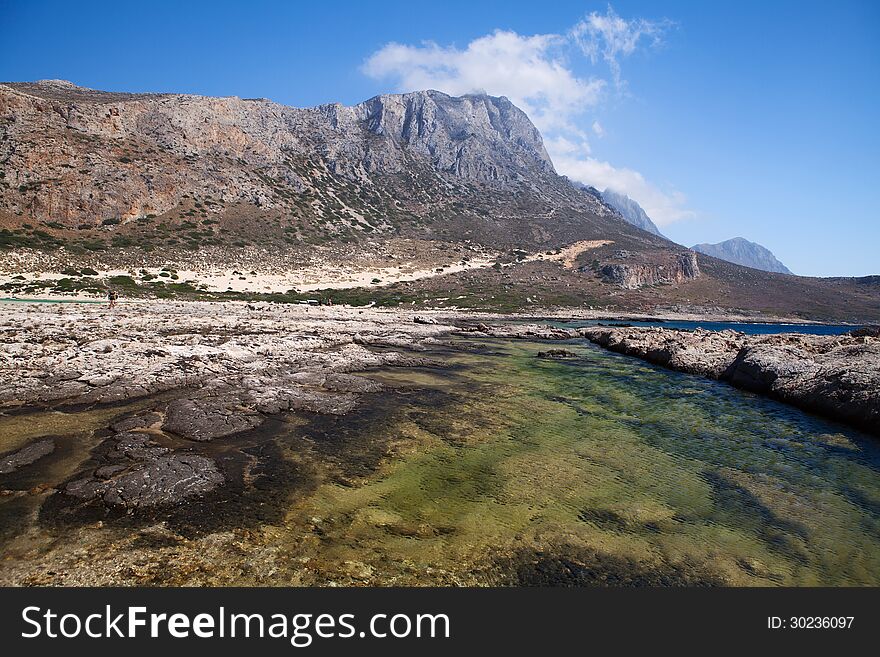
(122, 281)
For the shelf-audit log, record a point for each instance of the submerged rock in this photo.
(208, 418)
(138, 421)
(163, 481)
(26, 455)
(557, 354)
(136, 447)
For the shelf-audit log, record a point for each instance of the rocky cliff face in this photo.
(476, 137)
(742, 252)
(73, 155)
(676, 268)
(630, 210)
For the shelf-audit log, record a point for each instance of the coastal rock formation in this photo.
(209, 418)
(131, 470)
(680, 267)
(235, 364)
(163, 481)
(224, 370)
(836, 376)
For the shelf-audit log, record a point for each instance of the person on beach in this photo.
(112, 296)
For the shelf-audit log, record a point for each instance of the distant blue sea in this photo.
(742, 327)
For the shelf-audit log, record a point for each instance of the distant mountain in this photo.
(630, 210)
(742, 252)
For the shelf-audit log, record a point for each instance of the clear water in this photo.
(505, 469)
(749, 328)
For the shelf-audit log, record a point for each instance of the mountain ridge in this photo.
(741, 251)
(115, 181)
(631, 210)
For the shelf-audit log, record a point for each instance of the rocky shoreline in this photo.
(219, 443)
(214, 370)
(837, 376)
(834, 376)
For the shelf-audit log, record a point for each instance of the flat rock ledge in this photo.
(837, 376)
(163, 481)
(28, 454)
(834, 376)
(135, 472)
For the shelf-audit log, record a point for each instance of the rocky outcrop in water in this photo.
(26, 455)
(163, 481)
(835, 376)
(225, 369)
(206, 419)
(131, 470)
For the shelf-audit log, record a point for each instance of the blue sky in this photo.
(727, 119)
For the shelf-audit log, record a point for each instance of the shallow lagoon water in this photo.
(512, 469)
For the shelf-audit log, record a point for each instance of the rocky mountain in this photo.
(630, 210)
(459, 187)
(171, 172)
(73, 155)
(742, 252)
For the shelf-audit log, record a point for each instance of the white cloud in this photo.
(610, 37)
(527, 69)
(535, 73)
(663, 206)
(567, 147)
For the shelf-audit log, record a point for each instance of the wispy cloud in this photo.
(664, 206)
(611, 38)
(536, 73)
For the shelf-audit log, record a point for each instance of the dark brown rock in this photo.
(208, 418)
(26, 455)
(161, 482)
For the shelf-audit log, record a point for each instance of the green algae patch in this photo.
(508, 469)
(604, 460)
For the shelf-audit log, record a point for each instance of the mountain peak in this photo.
(741, 251)
(630, 210)
(475, 135)
(60, 83)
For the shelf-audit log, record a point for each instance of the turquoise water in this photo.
(750, 328)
